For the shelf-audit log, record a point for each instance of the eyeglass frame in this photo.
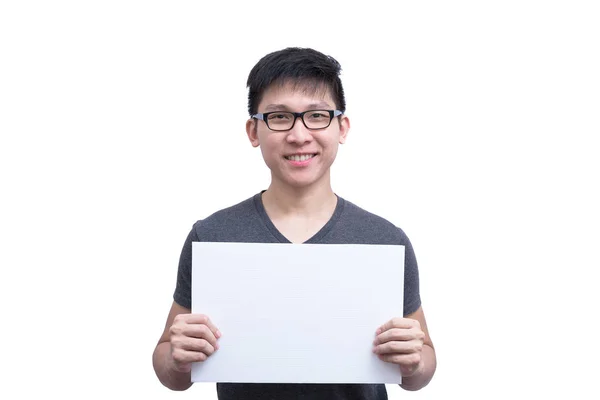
(265, 116)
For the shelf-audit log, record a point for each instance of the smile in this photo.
(302, 157)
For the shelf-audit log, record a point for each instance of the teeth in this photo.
(303, 157)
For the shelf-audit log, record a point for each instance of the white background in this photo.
(474, 128)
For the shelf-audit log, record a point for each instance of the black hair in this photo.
(302, 67)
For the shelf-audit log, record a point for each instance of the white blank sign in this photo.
(297, 313)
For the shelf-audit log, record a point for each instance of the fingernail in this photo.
(218, 333)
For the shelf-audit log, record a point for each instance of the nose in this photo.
(299, 133)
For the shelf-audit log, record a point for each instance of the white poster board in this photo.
(297, 313)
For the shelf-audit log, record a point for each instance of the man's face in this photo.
(299, 157)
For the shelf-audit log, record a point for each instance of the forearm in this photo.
(165, 370)
(422, 377)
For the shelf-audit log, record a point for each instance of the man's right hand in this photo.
(193, 338)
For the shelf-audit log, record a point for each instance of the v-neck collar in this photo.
(316, 238)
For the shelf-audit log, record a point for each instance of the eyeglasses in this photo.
(284, 120)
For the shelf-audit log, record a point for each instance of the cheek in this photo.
(333, 151)
(330, 144)
(268, 151)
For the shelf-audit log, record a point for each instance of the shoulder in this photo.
(228, 224)
(370, 227)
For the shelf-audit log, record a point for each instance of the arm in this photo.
(428, 360)
(162, 360)
(406, 342)
(187, 338)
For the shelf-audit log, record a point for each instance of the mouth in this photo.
(300, 157)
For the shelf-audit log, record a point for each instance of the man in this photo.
(296, 105)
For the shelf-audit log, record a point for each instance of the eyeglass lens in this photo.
(316, 119)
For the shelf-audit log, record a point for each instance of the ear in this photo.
(251, 131)
(344, 128)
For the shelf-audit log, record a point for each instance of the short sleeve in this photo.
(412, 297)
(183, 288)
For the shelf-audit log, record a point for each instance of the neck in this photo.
(280, 200)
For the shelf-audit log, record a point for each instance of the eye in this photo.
(318, 115)
(279, 116)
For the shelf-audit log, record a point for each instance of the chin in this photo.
(303, 183)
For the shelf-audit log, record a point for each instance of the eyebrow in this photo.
(313, 106)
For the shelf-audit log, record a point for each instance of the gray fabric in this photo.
(248, 222)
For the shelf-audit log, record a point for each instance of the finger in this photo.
(195, 344)
(395, 347)
(182, 356)
(406, 360)
(203, 320)
(199, 345)
(200, 332)
(397, 334)
(404, 323)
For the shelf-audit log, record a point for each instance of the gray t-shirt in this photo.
(249, 222)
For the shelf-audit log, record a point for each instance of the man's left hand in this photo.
(400, 341)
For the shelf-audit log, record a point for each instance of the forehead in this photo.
(297, 94)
